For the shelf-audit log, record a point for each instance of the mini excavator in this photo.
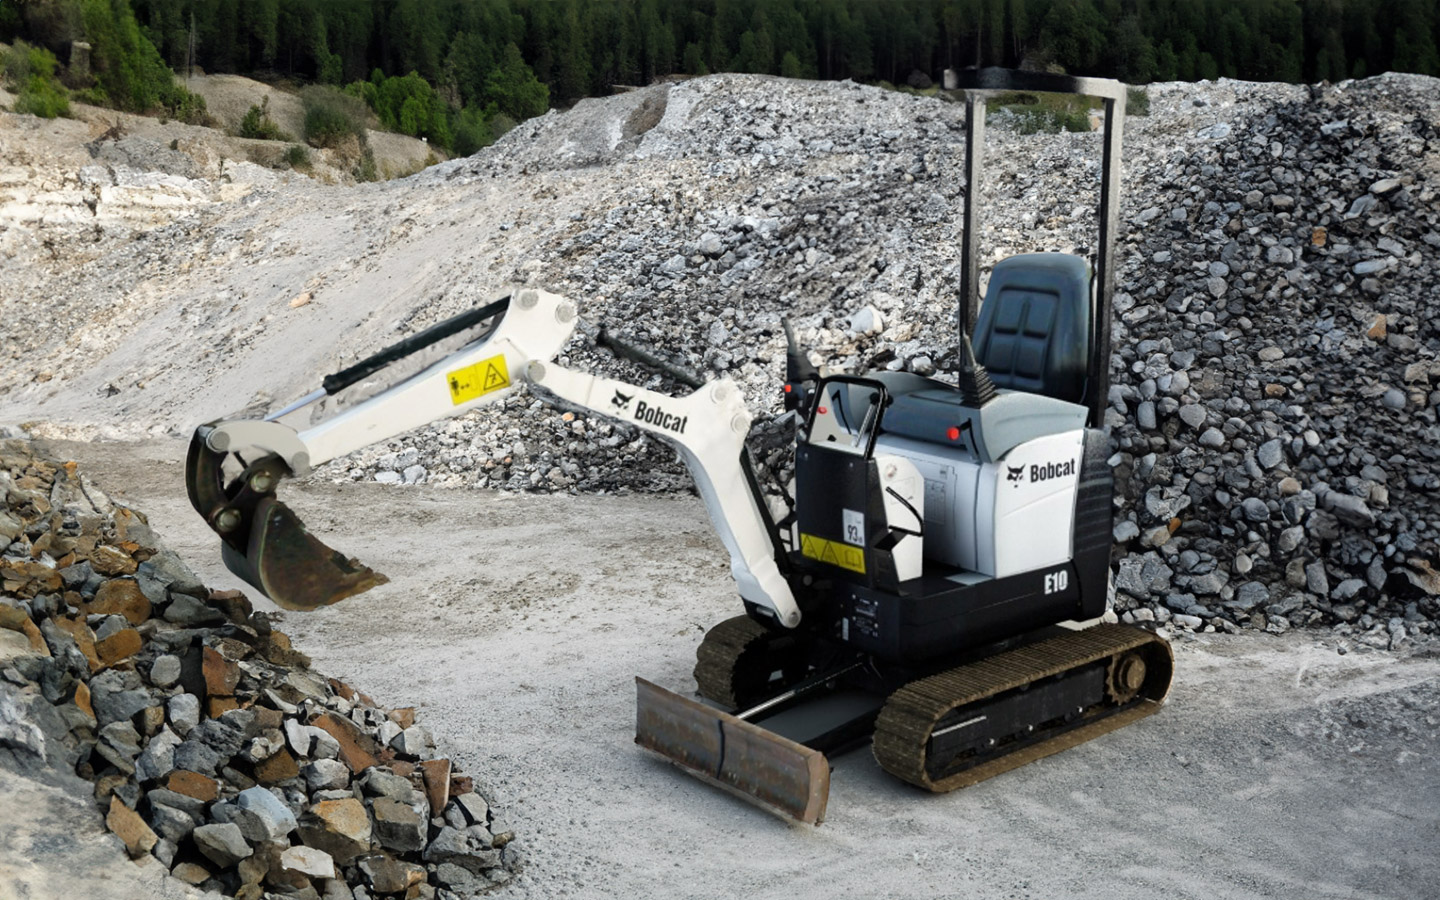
(921, 586)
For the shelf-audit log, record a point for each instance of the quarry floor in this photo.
(1280, 767)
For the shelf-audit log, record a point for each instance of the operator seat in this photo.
(1033, 331)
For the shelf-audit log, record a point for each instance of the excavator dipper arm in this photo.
(264, 542)
(708, 427)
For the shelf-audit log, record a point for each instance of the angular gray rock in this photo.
(222, 844)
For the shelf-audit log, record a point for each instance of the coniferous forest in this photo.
(431, 67)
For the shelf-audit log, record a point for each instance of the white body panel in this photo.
(899, 475)
(981, 519)
(949, 497)
(1030, 499)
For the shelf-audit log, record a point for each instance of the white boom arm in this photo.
(708, 427)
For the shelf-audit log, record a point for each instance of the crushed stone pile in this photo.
(1272, 402)
(211, 743)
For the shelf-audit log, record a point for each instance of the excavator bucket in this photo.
(262, 541)
(757, 765)
(291, 566)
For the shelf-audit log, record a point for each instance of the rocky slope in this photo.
(1271, 404)
(211, 743)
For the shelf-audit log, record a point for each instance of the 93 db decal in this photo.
(484, 377)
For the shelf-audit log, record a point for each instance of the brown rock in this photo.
(120, 597)
(193, 784)
(152, 718)
(404, 716)
(461, 784)
(1275, 390)
(127, 520)
(357, 749)
(267, 718)
(403, 767)
(190, 872)
(277, 768)
(345, 691)
(82, 700)
(111, 560)
(221, 675)
(234, 604)
(25, 579)
(388, 875)
(121, 645)
(339, 827)
(1376, 331)
(253, 868)
(12, 618)
(219, 706)
(105, 785)
(127, 824)
(277, 649)
(37, 640)
(84, 638)
(1318, 236)
(437, 782)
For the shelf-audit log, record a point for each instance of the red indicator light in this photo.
(953, 434)
(787, 388)
(822, 410)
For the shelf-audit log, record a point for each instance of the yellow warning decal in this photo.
(484, 377)
(833, 552)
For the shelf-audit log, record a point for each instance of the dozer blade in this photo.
(291, 566)
(755, 764)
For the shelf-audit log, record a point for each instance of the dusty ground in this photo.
(1280, 767)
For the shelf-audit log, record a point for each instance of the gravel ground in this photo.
(1281, 767)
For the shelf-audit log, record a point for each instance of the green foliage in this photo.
(410, 106)
(332, 117)
(1046, 113)
(31, 72)
(297, 156)
(1137, 102)
(127, 68)
(471, 132)
(365, 169)
(513, 88)
(568, 49)
(258, 124)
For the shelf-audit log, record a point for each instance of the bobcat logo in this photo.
(1016, 474)
(620, 401)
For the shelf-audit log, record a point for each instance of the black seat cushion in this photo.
(1033, 332)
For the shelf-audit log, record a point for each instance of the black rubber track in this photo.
(903, 729)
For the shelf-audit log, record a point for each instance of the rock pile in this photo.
(1272, 407)
(212, 744)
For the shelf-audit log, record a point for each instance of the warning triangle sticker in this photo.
(495, 378)
(829, 555)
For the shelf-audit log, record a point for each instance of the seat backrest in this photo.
(1033, 331)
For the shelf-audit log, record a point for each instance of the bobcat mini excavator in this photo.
(920, 586)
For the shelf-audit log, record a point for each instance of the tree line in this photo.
(487, 59)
